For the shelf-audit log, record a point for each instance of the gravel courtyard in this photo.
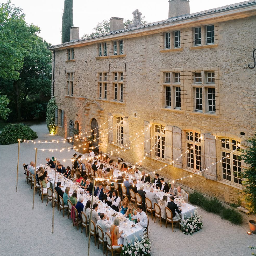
(27, 231)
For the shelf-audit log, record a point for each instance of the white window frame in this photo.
(120, 131)
(231, 164)
(176, 41)
(197, 36)
(70, 83)
(167, 40)
(159, 141)
(71, 54)
(209, 34)
(118, 86)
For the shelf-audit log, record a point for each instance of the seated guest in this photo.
(66, 195)
(124, 205)
(87, 209)
(173, 190)
(104, 223)
(157, 181)
(145, 177)
(78, 178)
(80, 206)
(137, 173)
(127, 185)
(95, 216)
(59, 191)
(60, 168)
(83, 182)
(67, 172)
(50, 163)
(115, 201)
(152, 196)
(164, 186)
(89, 186)
(115, 234)
(174, 208)
(142, 193)
(94, 168)
(141, 217)
(99, 192)
(129, 212)
(73, 198)
(107, 193)
(43, 178)
(134, 186)
(31, 168)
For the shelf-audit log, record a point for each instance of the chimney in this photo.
(116, 24)
(74, 33)
(178, 8)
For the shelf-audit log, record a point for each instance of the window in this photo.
(118, 86)
(176, 39)
(159, 135)
(103, 85)
(121, 47)
(167, 40)
(119, 131)
(71, 54)
(103, 50)
(172, 91)
(118, 48)
(231, 160)
(193, 150)
(115, 47)
(70, 84)
(204, 92)
(197, 36)
(210, 34)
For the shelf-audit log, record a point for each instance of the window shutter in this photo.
(62, 118)
(110, 129)
(126, 132)
(176, 133)
(168, 143)
(56, 117)
(210, 157)
(147, 139)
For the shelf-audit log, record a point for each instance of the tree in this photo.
(50, 115)
(104, 27)
(249, 174)
(4, 110)
(67, 20)
(25, 76)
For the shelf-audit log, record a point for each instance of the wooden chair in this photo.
(133, 196)
(149, 207)
(56, 199)
(33, 181)
(43, 192)
(62, 206)
(110, 247)
(145, 232)
(84, 223)
(138, 199)
(49, 196)
(29, 177)
(76, 220)
(100, 237)
(93, 231)
(158, 213)
(170, 219)
(124, 191)
(69, 208)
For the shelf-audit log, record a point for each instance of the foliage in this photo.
(215, 206)
(12, 132)
(232, 215)
(4, 110)
(67, 20)
(103, 28)
(138, 248)
(249, 174)
(191, 225)
(50, 115)
(25, 76)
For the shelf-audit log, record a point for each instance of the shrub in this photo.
(12, 132)
(197, 199)
(232, 215)
(213, 205)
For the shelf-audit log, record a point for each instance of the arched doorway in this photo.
(71, 129)
(95, 135)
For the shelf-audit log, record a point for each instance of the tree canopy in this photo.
(25, 76)
(67, 20)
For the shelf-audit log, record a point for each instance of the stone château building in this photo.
(176, 96)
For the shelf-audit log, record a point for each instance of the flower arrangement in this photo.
(191, 225)
(138, 248)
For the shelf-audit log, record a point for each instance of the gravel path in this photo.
(24, 231)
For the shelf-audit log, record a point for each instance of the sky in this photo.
(47, 14)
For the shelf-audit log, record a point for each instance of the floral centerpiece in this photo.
(138, 248)
(191, 225)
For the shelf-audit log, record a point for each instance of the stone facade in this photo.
(183, 109)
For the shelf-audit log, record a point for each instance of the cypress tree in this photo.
(67, 20)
